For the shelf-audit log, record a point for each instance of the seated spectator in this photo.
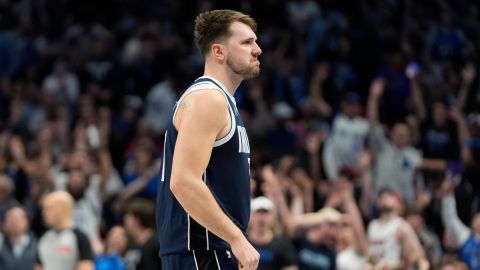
(18, 247)
(276, 252)
(63, 246)
(115, 246)
(139, 221)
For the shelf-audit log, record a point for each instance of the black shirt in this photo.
(277, 254)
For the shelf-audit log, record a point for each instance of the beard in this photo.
(385, 210)
(246, 71)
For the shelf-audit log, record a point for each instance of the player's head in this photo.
(228, 37)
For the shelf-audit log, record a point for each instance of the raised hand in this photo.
(377, 87)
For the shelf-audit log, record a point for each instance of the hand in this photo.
(423, 198)
(468, 73)
(321, 72)
(271, 185)
(314, 140)
(446, 188)
(377, 87)
(247, 256)
(364, 160)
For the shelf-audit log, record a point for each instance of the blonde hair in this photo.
(212, 26)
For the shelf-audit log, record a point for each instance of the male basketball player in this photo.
(203, 203)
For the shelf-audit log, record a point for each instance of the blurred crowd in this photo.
(364, 126)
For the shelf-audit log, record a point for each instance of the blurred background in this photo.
(358, 102)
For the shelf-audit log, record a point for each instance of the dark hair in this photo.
(143, 210)
(211, 26)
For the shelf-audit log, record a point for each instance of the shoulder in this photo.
(204, 107)
(207, 96)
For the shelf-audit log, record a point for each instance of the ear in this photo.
(218, 51)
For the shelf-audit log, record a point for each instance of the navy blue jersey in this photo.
(227, 177)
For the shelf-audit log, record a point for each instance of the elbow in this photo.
(178, 185)
(175, 185)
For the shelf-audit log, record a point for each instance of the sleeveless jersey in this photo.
(383, 242)
(227, 177)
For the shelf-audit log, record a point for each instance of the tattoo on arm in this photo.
(183, 105)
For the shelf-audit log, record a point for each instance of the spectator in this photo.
(139, 221)
(351, 243)
(316, 245)
(347, 138)
(63, 246)
(6, 198)
(275, 251)
(466, 239)
(87, 208)
(430, 242)
(18, 247)
(396, 159)
(115, 247)
(392, 241)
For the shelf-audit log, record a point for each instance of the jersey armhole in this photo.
(233, 123)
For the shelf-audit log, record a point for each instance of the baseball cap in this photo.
(262, 203)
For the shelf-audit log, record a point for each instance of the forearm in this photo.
(417, 100)
(452, 222)
(314, 160)
(198, 201)
(372, 110)
(360, 242)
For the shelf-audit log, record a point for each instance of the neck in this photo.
(64, 224)
(387, 217)
(16, 238)
(143, 235)
(227, 78)
(261, 237)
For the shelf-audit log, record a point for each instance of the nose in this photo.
(256, 50)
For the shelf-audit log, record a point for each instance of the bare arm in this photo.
(417, 100)
(468, 75)
(376, 91)
(201, 118)
(316, 90)
(351, 208)
(412, 250)
(85, 265)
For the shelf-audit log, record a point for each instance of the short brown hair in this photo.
(143, 210)
(210, 26)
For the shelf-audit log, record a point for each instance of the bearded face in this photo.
(246, 70)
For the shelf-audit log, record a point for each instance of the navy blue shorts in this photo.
(200, 260)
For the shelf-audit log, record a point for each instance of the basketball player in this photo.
(203, 202)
